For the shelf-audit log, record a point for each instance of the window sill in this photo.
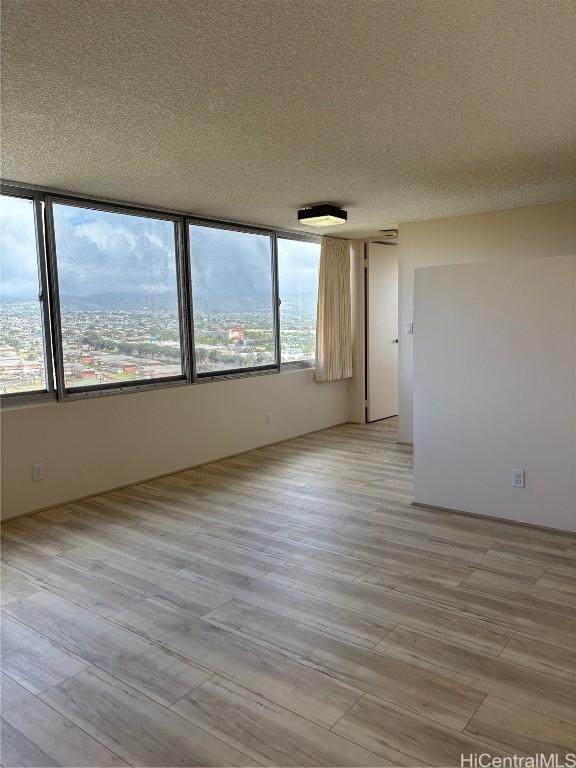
(9, 402)
(298, 365)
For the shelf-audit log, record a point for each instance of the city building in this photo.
(236, 334)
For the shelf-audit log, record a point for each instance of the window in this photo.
(23, 362)
(96, 296)
(233, 300)
(298, 263)
(118, 297)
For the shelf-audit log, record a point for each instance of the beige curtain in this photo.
(333, 324)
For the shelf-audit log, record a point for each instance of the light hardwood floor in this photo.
(284, 607)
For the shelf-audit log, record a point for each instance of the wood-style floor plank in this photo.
(498, 677)
(35, 662)
(517, 608)
(337, 620)
(34, 734)
(140, 730)
(145, 580)
(120, 535)
(520, 730)
(400, 608)
(396, 547)
(287, 606)
(404, 738)
(14, 587)
(546, 657)
(534, 595)
(265, 731)
(307, 692)
(416, 690)
(147, 667)
(100, 595)
(557, 582)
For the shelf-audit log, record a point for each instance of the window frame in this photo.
(250, 230)
(49, 392)
(43, 199)
(66, 393)
(303, 237)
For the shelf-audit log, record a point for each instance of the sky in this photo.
(18, 258)
(108, 260)
(234, 269)
(298, 263)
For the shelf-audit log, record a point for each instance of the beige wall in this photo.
(96, 444)
(495, 388)
(500, 235)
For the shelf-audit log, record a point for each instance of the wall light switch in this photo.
(518, 478)
(409, 327)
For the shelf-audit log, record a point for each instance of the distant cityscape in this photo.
(21, 347)
(116, 346)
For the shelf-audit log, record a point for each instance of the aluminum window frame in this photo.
(231, 373)
(303, 237)
(98, 390)
(43, 200)
(49, 392)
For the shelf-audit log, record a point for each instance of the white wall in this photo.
(500, 235)
(93, 445)
(495, 388)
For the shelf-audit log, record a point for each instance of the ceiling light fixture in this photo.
(322, 215)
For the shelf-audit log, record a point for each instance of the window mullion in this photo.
(184, 300)
(44, 297)
(187, 272)
(54, 298)
(276, 299)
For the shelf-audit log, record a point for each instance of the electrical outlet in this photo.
(518, 478)
(38, 471)
(267, 418)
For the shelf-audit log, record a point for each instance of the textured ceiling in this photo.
(248, 109)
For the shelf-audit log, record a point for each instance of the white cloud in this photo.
(18, 255)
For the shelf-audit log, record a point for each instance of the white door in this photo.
(381, 331)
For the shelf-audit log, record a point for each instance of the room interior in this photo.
(288, 383)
